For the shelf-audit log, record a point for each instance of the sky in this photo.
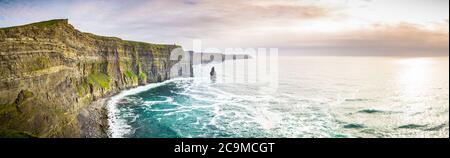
(295, 27)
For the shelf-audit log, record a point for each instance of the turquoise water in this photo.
(314, 97)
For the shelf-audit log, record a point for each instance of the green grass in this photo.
(99, 79)
(6, 133)
(150, 46)
(39, 24)
(101, 37)
(131, 76)
(82, 89)
(142, 77)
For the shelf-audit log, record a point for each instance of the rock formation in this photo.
(54, 78)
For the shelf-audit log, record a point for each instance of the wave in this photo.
(150, 103)
(118, 126)
(424, 127)
(354, 126)
(370, 111)
(412, 126)
(437, 128)
(357, 100)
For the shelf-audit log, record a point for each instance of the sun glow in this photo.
(414, 74)
(413, 79)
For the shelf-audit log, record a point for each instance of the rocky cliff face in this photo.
(53, 77)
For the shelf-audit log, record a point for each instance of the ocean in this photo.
(311, 97)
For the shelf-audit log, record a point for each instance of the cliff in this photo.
(53, 77)
(206, 58)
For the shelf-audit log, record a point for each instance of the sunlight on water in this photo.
(315, 97)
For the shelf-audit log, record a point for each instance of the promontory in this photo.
(54, 78)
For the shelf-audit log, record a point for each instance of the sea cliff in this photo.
(54, 79)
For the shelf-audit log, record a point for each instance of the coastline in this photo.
(94, 118)
(56, 79)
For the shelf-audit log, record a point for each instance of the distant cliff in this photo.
(206, 58)
(51, 74)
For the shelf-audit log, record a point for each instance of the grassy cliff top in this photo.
(65, 22)
(40, 24)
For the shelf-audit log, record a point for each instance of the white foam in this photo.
(150, 103)
(118, 126)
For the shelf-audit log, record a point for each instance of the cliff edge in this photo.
(54, 78)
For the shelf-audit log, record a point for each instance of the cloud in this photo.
(206, 18)
(403, 39)
(296, 27)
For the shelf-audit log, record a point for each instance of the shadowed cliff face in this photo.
(50, 73)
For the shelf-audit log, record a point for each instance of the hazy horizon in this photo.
(295, 27)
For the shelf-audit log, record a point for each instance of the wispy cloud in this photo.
(354, 27)
(402, 39)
